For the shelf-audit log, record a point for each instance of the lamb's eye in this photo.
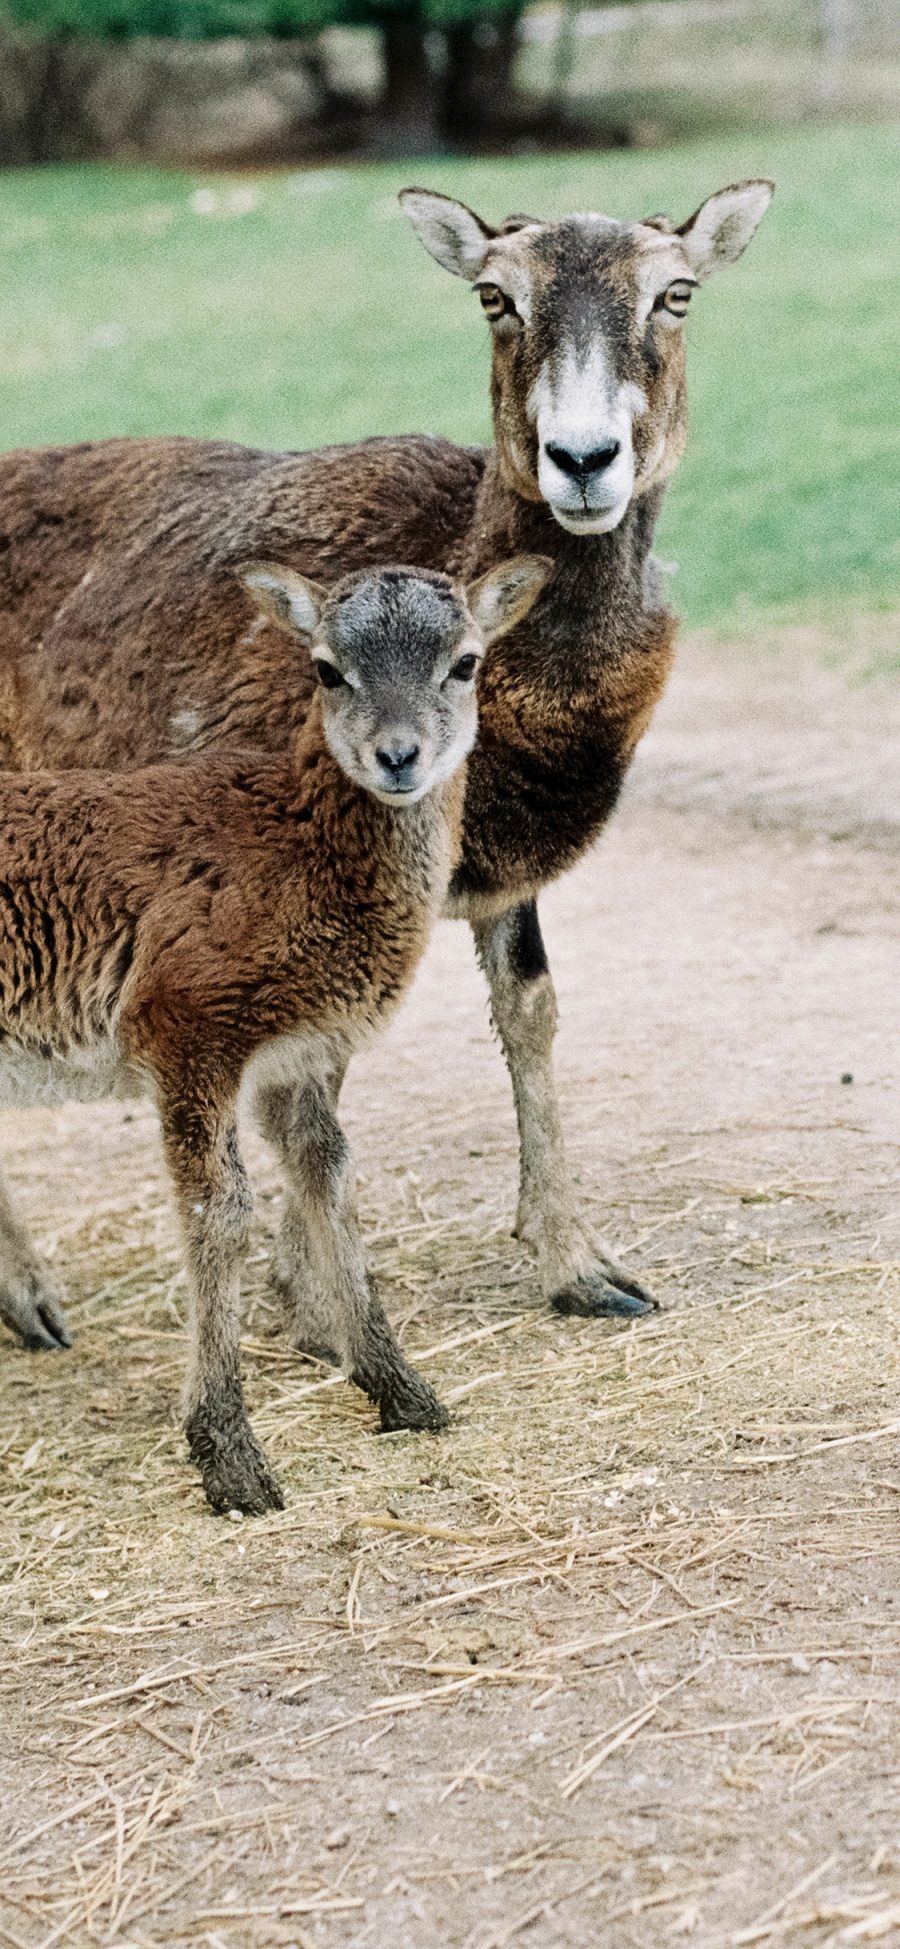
(676, 297)
(465, 669)
(495, 303)
(328, 676)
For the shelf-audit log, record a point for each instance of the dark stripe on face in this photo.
(587, 291)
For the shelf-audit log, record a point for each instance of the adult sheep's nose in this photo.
(581, 465)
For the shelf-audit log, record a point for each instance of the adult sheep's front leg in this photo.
(348, 1315)
(215, 1205)
(30, 1304)
(577, 1275)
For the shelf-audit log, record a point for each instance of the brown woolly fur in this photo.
(111, 552)
(186, 929)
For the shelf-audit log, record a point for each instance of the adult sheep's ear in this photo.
(721, 229)
(451, 233)
(285, 598)
(501, 598)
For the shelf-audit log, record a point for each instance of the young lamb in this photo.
(199, 927)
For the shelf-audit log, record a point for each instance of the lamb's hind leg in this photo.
(30, 1304)
(308, 1312)
(576, 1274)
(345, 1311)
(215, 1205)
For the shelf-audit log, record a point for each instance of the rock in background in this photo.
(164, 101)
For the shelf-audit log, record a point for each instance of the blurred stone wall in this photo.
(164, 101)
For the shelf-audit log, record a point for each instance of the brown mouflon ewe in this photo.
(195, 930)
(108, 551)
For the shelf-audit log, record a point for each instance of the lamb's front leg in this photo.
(30, 1304)
(576, 1274)
(346, 1312)
(215, 1205)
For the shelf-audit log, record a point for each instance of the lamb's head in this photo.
(396, 651)
(587, 383)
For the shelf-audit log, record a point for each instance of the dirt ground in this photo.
(615, 1661)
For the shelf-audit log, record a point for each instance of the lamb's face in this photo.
(396, 653)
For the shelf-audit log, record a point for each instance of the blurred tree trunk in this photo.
(408, 108)
(451, 84)
(478, 96)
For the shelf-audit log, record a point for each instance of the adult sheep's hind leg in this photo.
(215, 1206)
(577, 1275)
(30, 1304)
(349, 1315)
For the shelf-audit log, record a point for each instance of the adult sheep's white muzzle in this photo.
(583, 420)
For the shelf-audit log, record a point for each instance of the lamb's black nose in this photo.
(581, 465)
(397, 758)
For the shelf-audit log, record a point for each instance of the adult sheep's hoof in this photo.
(624, 1282)
(30, 1306)
(235, 1472)
(593, 1296)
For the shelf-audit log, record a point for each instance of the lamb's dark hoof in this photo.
(409, 1402)
(31, 1309)
(594, 1297)
(235, 1472)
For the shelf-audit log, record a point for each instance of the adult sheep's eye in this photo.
(328, 676)
(495, 303)
(465, 669)
(676, 297)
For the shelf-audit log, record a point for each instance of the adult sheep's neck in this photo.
(563, 699)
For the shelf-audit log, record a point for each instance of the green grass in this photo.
(315, 316)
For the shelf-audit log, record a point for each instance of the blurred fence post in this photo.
(563, 64)
(837, 23)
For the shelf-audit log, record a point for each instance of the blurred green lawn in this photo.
(291, 309)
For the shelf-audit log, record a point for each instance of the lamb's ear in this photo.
(451, 233)
(501, 598)
(721, 229)
(284, 597)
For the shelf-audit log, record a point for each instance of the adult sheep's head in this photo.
(588, 378)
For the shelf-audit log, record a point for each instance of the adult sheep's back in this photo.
(124, 635)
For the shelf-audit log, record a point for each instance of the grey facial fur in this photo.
(400, 721)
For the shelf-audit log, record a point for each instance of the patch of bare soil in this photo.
(615, 1661)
